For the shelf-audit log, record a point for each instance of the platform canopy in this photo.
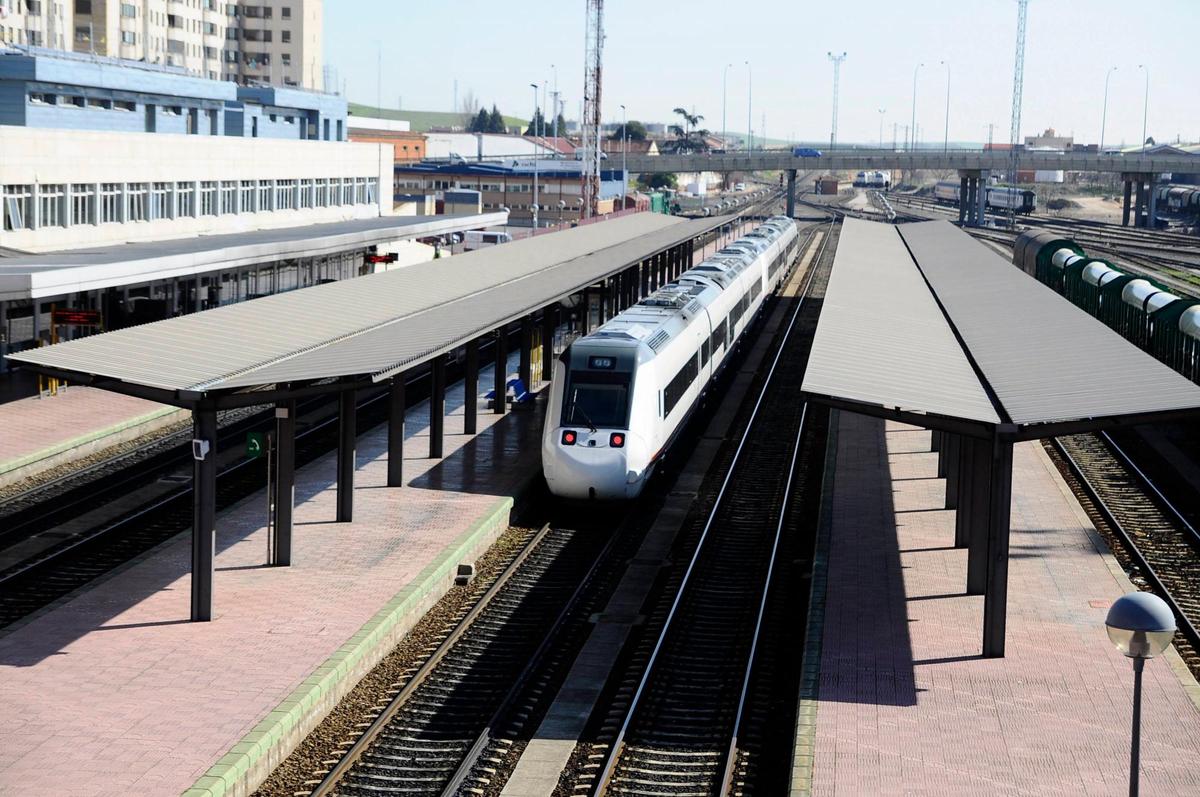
(369, 327)
(923, 323)
(33, 276)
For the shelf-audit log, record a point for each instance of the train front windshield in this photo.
(597, 399)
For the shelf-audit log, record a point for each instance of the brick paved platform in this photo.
(114, 692)
(905, 705)
(36, 433)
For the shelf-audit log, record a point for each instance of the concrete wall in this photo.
(65, 157)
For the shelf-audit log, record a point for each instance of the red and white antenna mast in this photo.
(590, 124)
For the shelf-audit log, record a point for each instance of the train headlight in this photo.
(616, 440)
(569, 436)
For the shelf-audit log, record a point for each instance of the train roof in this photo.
(662, 315)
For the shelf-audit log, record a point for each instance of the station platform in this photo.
(902, 702)
(42, 433)
(113, 691)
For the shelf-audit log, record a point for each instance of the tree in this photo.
(653, 181)
(467, 105)
(496, 121)
(689, 138)
(480, 123)
(562, 125)
(537, 124)
(636, 130)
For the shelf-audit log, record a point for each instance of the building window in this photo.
(228, 197)
(139, 204)
(187, 200)
(110, 203)
(347, 190)
(305, 197)
(286, 59)
(50, 206)
(83, 203)
(373, 191)
(128, 37)
(208, 198)
(360, 191)
(248, 196)
(286, 12)
(42, 99)
(17, 199)
(285, 194)
(322, 199)
(160, 201)
(264, 195)
(128, 10)
(285, 36)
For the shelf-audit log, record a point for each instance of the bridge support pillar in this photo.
(1125, 204)
(1139, 205)
(963, 189)
(791, 193)
(1151, 201)
(981, 181)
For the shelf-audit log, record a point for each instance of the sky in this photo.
(660, 55)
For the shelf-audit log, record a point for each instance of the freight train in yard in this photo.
(999, 197)
(1148, 315)
(1181, 199)
(621, 394)
(878, 180)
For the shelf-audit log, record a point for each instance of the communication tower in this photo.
(592, 79)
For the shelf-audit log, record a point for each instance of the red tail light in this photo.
(616, 440)
(568, 437)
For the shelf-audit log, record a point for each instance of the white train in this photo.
(621, 394)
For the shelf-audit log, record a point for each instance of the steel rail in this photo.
(614, 753)
(1186, 628)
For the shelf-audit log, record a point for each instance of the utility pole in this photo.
(882, 111)
(912, 143)
(724, 98)
(837, 71)
(1014, 134)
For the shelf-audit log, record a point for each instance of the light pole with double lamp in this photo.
(1141, 625)
(624, 148)
(534, 207)
(912, 142)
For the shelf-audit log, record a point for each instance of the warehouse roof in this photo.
(25, 276)
(368, 327)
(1045, 366)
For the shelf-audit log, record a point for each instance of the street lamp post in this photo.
(946, 139)
(913, 127)
(882, 111)
(1145, 105)
(1141, 625)
(554, 108)
(624, 148)
(749, 107)
(534, 207)
(724, 99)
(1104, 113)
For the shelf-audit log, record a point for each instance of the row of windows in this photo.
(115, 203)
(679, 384)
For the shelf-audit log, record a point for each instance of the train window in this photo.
(704, 353)
(718, 337)
(679, 384)
(597, 399)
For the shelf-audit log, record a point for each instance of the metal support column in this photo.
(952, 453)
(1139, 204)
(965, 486)
(471, 388)
(981, 198)
(285, 480)
(791, 193)
(500, 377)
(977, 519)
(935, 441)
(395, 440)
(962, 196)
(204, 511)
(437, 406)
(3, 336)
(549, 322)
(585, 311)
(525, 369)
(1125, 204)
(969, 198)
(347, 434)
(995, 600)
(1151, 201)
(644, 268)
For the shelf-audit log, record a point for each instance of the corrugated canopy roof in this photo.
(369, 326)
(923, 320)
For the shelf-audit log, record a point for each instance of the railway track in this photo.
(688, 706)
(1155, 542)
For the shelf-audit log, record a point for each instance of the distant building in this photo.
(613, 147)
(471, 146)
(48, 89)
(510, 185)
(246, 41)
(409, 147)
(1050, 140)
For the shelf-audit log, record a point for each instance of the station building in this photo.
(141, 193)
